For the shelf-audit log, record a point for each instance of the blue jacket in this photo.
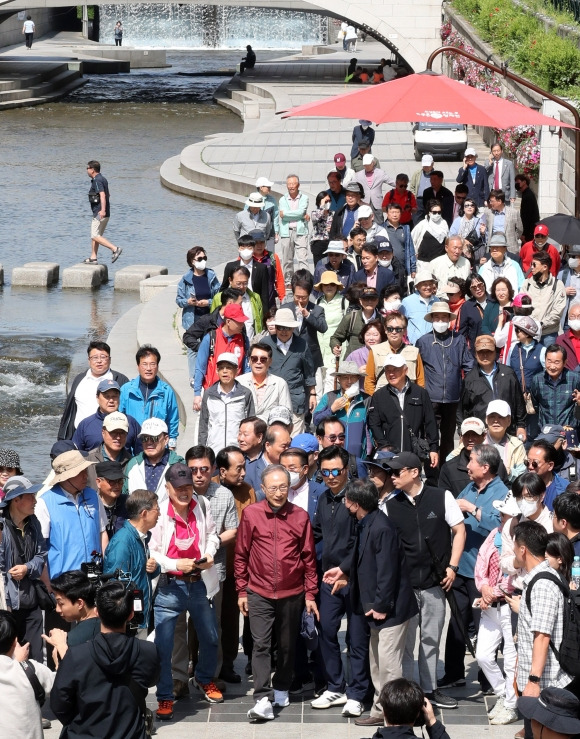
(89, 433)
(478, 531)
(385, 276)
(355, 421)
(128, 552)
(409, 246)
(162, 403)
(415, 308)
(557, 486)
(443, 365)
(478, 190)
(185, 290)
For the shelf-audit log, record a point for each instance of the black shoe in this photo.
(248, 669)
(296, 686)
(439, 699)
(449, 682)
(230, 675)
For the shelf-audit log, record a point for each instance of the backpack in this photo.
(568, 655)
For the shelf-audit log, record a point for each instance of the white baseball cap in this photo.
(264, 182)
(368, 159)
(364, 211)
(395, 360)
(473, 424)
(153, 427)
(426, 160)
(470, 152)
(500, 407)
(228, 357)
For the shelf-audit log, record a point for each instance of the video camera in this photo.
(94, 571)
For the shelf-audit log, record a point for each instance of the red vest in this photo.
(234, 345)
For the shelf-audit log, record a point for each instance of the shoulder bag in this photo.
(530, 410)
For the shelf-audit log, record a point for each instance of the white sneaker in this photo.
(352, 708)
(505, 716)
(328, 699)
(497, 707)
(281, 698)
(262, 710)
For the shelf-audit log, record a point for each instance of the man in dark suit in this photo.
(529, 211)
(310, 317)
(258, 271)
(438, 192)
(501, 173)
(380, 588)
(475, 177)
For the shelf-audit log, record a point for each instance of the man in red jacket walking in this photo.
(275, 570)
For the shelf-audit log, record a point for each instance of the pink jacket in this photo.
(482, 567)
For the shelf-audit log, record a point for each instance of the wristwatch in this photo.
(533, 678)
(455, 568)
(475, 511)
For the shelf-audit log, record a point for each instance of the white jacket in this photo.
(209, 542)
(21, 717)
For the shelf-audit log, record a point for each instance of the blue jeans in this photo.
(171, 600)
(191, 360)
(549, 339)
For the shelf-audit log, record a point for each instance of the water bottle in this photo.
(576, 573)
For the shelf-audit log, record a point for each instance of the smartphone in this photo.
(198, 562)
(476, 603)
(505, 592)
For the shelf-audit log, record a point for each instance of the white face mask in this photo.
(435, 217)
(246, 254)
(392, 304)
(527, 507)
(573, 262)
(385, 262)
(294, 477)
(200, 265)
(440, 326)
(353, 390)
(574, 325)
(327, 206)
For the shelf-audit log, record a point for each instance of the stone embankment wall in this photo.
(45, 20)
(566, 190)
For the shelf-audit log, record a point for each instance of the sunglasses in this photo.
(258, 360)
(335, 437)
(200, 259)
(202, 470)
(533, 464)
(152, 439)
(335, 472)
(435, 212)
(469, 205)
(394, 330)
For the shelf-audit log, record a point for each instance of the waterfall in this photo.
(211, 26)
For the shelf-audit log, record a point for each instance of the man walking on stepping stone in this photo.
(99, 202)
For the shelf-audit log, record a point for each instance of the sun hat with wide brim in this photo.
(556, 709)
(327, 278)
(69, 464)
(439, 307)
(285, 318)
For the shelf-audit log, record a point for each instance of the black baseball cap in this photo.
(405, 459)
(179, 474)
(109, 470)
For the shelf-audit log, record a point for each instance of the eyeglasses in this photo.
(397, 473)
(335, 472)
(530, 497)
(277, 489)
(394, 330)
(99, 358)
(469, 205)
(335, 437)
(151, 439)
(202, 470)
(258, 360)
(148, 365)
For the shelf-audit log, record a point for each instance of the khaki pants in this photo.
(288, 247)
(386, 650)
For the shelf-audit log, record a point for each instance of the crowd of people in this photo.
(387, 394)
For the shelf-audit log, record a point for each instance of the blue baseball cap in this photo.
(17, 486)
(381, 459)
(306, 442)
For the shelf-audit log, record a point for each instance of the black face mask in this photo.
(538, 277)
(518, 186)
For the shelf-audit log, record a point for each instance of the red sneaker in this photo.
(165, 710)
(210, 691)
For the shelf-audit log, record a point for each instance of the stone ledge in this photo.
(85, 276)
(35, 274)
(129, 278)
(153, 285)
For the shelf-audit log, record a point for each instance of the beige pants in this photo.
(297, 424)
(386, 649)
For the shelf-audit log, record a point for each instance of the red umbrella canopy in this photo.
(426, 96)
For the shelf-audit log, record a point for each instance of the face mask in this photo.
(540, 247)
(353, 390)
(200, 265)
(392, 304)
(574, 325)
(385, 262)
(573, 262)
(294, 477)
(538, 277)
(440, 327)
(364, 128)
(527, 507)
(327, 206)
(246, 254)
(435, 217)
(518, 186)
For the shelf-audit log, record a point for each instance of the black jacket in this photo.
(67, 422)
(529, 213)
(91, 696)
(446, 198)
(336, 529)
(378, 573)
(204, 324)
(437, 731)
(390, 425)
(477, 394)
(336, 225)
(311, 327)
(258, 280)
(469, 320)
(455, 478)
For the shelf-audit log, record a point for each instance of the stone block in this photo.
(85, 276)
(150, 287)
(130, 277)
(35, 274)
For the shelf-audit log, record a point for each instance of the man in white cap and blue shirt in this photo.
(475, 177)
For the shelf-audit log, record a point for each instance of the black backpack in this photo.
(569, 653)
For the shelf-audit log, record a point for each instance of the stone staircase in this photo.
(31, 83)
(244, 99)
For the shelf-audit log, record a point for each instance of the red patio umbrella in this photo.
(426, 96)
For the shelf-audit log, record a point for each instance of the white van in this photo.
(439, 139)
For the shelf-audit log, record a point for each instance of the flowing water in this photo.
(131, 123)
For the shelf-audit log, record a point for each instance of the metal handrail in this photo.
(530, 85)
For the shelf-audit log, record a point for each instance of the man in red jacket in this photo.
(275, 570)
(539, 243)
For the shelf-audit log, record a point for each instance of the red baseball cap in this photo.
(339, 159)
(235, 312)
(541, 229)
